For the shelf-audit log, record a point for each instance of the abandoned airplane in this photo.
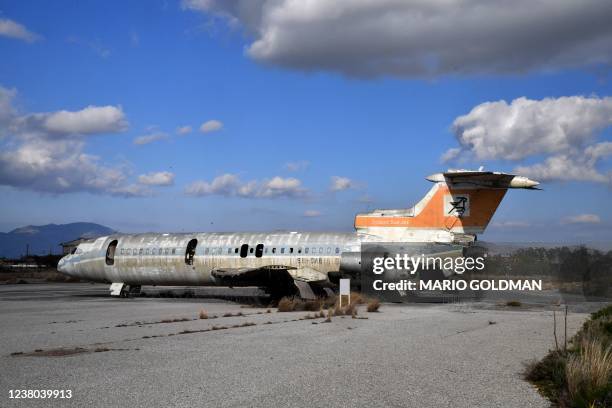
(459, 205)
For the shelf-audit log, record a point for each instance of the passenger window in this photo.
(229, 251)
(121, 251)
(206, 250)
(251, 251)
(147, 251)
(273, 250)
(160, 251)
(320, 250)
(244, 250)
(140, 251)
(282, 250)
(299, 250)
(337, 250)
(235, 250)
(166, 251)
(306, 250)
(259, 250)
(290, 250)
(328, 250)
(173, 251)
(266, 251)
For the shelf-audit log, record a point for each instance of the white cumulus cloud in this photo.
(367, 38)
(90, 120)
(211, 126)
(162, 178)
(46, 151)
(12, 29)
(150, 138)
(563, 130)
(341, 183)
(230, 185)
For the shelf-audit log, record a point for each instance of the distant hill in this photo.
(42, 238)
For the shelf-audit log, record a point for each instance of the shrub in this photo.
(286, 305)
(548, 374)
(373, 305)
(582, 375)
(203, 314)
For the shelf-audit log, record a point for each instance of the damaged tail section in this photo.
(459, 205)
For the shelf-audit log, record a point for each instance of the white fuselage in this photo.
(163, 259)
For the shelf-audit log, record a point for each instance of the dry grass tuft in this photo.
(514, 303)
(203, 314)
(330, 313)
(286, 305)
(350, 310)
(358, 299)
(589, 371)
(373, 305)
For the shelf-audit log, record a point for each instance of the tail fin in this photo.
(460, 204)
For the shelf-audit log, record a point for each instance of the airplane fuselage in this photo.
(165, 259)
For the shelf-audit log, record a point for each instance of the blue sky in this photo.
(164, 65)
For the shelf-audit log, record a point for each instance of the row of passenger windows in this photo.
(259, 250)
(244, 250)
(148, 251)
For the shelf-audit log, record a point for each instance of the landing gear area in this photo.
(123, 290)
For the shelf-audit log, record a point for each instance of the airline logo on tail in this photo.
(457, 205)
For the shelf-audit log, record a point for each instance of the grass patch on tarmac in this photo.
(295, 304)
(65, 351)
(580, 376)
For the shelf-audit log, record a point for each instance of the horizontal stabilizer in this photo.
(485, 179)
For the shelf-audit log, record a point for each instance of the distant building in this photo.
(69, 246)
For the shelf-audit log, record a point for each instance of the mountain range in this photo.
(43, 239)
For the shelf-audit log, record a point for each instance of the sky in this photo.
(206, 115)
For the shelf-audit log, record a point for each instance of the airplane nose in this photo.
(63, 266)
